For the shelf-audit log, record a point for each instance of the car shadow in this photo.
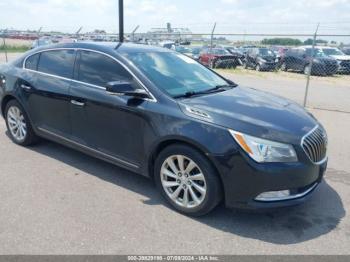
(320, 215)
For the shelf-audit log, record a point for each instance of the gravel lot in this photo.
(55, 200)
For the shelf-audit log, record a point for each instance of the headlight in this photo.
(262, 150)
(276, 60)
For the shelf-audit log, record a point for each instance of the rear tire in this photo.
(284, 67)
(187, 180)
(18, 124)
(307, 69)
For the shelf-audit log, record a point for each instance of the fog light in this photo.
(273, 195)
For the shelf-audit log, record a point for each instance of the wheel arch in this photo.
(161, 145)
(4, 102)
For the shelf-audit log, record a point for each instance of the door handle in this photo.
(27, 87)
(77, 103)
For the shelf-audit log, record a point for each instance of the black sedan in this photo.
(156, 112)
(299, 59)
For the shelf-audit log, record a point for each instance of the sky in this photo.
(232, 16)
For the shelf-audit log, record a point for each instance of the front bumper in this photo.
(344, 68)
(244, 180)
(268, 65)
(226, 63)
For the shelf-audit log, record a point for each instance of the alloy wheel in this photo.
(183, 181)
(17, 124)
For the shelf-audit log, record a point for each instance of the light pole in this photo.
(121, 21)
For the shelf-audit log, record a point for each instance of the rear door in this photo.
(47, 89)
(292, 59)
(301, 60)
(111, 124)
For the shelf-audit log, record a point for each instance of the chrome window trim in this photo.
(301, 144)
(152, 99)
(89, 148)
(290, 197)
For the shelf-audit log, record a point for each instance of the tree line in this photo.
(292, 41)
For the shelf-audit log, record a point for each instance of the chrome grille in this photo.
(315, 144)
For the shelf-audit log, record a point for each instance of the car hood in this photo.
(256, 113)
(325, 59)
(341, 57)
(225, 56)
(268, 58)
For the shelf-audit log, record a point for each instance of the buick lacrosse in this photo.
(202, 138)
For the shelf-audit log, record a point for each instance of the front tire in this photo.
(284, 67)
(187, 180)
(258, 67)
(18, 124)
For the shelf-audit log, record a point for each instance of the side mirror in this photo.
(125, 88)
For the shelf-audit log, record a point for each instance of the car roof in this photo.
(107, 47)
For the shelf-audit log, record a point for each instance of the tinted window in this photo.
(291, 52)
(58, 62)
(174, 73)
(98, 69)
(32, 62)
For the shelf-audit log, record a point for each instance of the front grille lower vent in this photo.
(315, 144)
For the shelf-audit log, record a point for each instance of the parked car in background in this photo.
(343, 59)
(41, 42)
(346, 50)
(153, 111)
(182, 49)
(244, 49)
(167, 44)
(260, 59)
(299, 59)
(236, 52)
(218, 58)
(280, 52)
(195, 52)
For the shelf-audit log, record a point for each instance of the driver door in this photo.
(110, 124)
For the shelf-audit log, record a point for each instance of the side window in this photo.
(32, 62)
(98, 69)
(301, 53)
(57, 62)
(291, 52)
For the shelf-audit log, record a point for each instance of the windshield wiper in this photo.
(187, 94)
(215, 89)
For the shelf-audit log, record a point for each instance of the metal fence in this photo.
(303, 61)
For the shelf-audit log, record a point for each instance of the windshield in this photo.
(196, 50)
(332, 51)
(317, 52)
(265, 51)
(175, 73)
(220, 52)
(182, 49)
(43, 42)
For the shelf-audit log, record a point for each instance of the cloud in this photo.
(232, 16)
